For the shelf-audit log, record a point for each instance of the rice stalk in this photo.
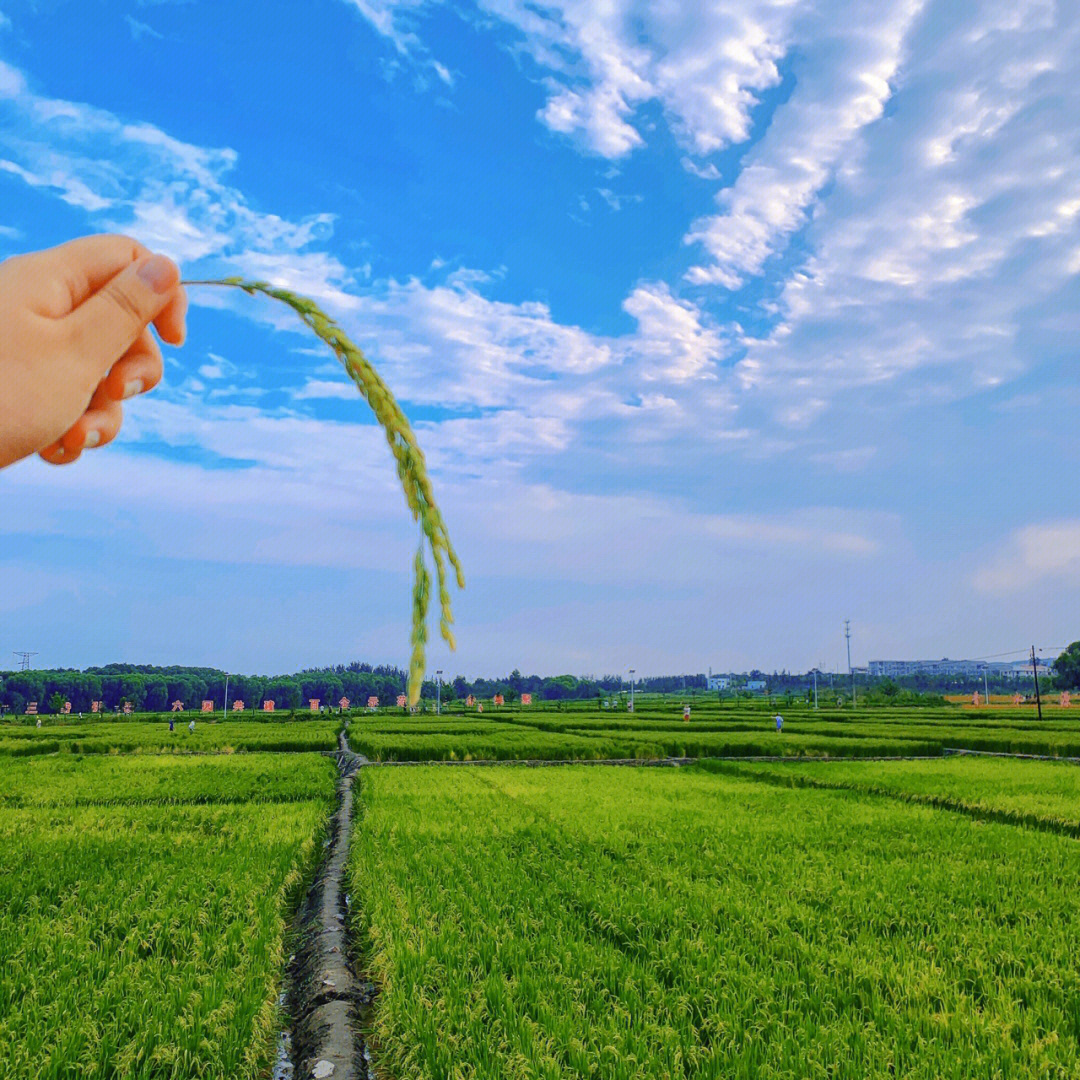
(408, 457)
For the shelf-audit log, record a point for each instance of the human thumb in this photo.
(109, 321)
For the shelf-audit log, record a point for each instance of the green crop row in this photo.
(75, 780)
(147, 941)
(1028, 792)
(620, 924)
(127, 736)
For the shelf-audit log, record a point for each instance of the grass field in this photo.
(627, 923)
(143, 907)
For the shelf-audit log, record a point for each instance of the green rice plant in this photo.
(210, 736)
(148, 941)
(573, 922)
(1038, 793)
(163, 779)
(409, 458)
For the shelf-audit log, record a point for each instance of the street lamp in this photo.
(631, 689)
(438, 692)
(225, 707)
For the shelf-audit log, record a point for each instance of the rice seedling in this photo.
(408, 457)
(615, 923)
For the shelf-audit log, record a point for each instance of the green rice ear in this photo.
(408, 459)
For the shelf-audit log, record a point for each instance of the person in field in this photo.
(172, 724)
(191, 726)
(779, 723)
(76, 342)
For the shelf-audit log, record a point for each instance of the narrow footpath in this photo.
(327, 1003)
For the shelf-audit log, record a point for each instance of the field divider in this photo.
(327, 1002)
(642, 763)
(955, 751)
(975, 811)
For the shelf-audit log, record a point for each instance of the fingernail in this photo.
(159, 273)
(135, 386)
(92, 438)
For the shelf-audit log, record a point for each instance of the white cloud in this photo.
(172, 195)
(323, 389)
(673, 337)
(939, 255)
(705, 63)
(139, 30)
(836, 95)
(1044, 552)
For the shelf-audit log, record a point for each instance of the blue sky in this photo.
(717, 326)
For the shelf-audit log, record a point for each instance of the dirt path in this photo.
(326, 1001)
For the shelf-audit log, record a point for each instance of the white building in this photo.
(897, 669)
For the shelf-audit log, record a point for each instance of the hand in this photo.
(76, 342)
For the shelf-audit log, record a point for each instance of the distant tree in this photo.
(157, 695)
(1067, 666)
(56, 702)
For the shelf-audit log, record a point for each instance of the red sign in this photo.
(498, 699)
(526, 699)
(237, 705)
(177, 706)
(344, 703)
(65, 709)
(95, 706)
(402, 701)
(1066, 699)
(976, 699)
(268, 705)
(207, 706)
(372, 702)
(470, 701)
(31, 708)
(313, 704)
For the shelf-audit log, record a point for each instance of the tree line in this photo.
(153, 689)
(149, 688)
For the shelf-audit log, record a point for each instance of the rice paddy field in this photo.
(792, 906)
(681, 922)
(143, 910)
(658, 732)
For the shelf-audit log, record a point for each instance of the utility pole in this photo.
(225, 707)
(986, 687)
(1035, 673)
(24, 659)
(631, 689)
(815, 688)
(851, 670)
(438, 692)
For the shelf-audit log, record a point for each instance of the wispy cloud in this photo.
(1043, 552)
(140, 30)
